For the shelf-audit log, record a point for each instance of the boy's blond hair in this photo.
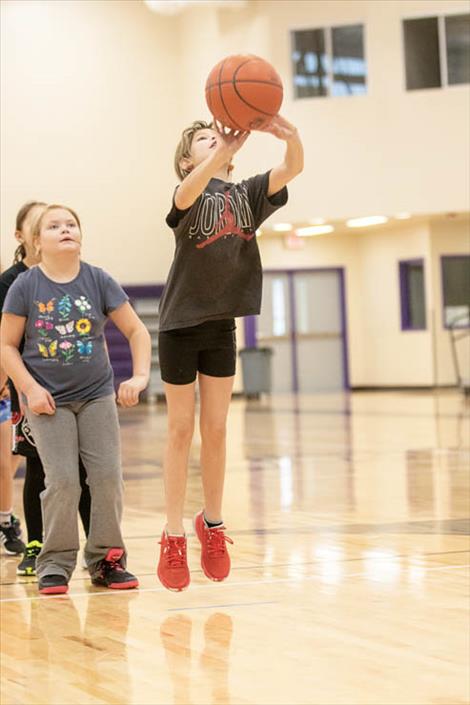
(183, 149)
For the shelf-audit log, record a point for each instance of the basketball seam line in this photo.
(243, 80)
(250, 105)
(223, 102)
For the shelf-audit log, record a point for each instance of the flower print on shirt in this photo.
(82, 304)
(83, 326)
(43, 327)
(67, 349)
(65, 339)
(64, 306)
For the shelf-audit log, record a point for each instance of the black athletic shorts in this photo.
(209, 348)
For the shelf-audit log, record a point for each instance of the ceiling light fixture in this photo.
(369, 220)
(174, 7)
(312, 230)
(282, 227)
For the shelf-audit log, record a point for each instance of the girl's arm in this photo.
(194, 184)
(12, 328)
(3, 379)
(130, 325)
(293, 162)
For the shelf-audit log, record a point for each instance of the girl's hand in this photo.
(40, 401)
(233, 140)
(129, 390)
(280, 128)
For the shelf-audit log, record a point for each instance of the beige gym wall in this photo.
(89, 101)
(94, 95)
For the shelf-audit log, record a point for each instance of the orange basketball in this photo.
(243, 92)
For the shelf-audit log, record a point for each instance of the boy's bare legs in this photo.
(180, 400)
(215, 394)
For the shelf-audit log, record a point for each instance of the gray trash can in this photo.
(256, 370)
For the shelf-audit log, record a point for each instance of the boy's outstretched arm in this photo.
(293, 162)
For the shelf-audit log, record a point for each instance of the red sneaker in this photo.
(173, 568)
(215, 560)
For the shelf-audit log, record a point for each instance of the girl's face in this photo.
(204, 141)
(25, 235)
(60, 233)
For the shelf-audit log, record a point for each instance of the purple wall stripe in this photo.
(405, 301)
(293, 332)
(250, 331)
(344, 328)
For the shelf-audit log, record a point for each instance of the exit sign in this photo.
(294, 242)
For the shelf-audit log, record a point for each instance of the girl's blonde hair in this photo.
(183, 149)
(36, 227)
(20, 252)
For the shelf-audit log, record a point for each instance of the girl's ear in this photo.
(19, 236)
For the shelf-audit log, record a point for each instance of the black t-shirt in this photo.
(6, 280)
(216, 271)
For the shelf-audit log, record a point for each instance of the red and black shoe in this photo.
(110, 573)
(53, 585)
(173, 570)
(215, 561)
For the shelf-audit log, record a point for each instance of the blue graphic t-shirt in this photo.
(64, 347)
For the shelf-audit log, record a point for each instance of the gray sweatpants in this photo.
(91, 429)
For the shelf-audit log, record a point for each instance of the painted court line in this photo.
(275, 581)
(212, 607)
(75, 580)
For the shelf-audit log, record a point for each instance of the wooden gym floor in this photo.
(349, 581)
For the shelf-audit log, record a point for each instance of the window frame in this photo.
(460, 255)
(405, 294)
(442, 48)
(328, 30)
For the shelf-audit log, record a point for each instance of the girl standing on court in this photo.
(215, 277)
(23, 441)
(65, 377)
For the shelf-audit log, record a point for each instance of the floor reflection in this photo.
(93, 658)
(213, 663)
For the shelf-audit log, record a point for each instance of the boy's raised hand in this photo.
(129, 390)
(233, 140)
(279, 127)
